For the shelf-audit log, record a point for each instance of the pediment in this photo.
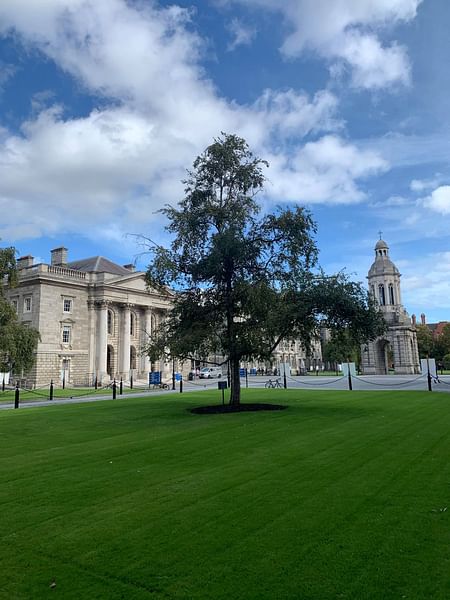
(133, 282)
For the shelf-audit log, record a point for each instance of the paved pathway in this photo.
(310, 382)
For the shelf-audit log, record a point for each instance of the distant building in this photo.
(93, 315)
(396, 349)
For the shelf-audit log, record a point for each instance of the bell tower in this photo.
(395, 351)
(384, 283)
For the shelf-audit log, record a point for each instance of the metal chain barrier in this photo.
(315, 384)
(388, 384)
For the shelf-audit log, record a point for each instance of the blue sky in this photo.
(105, 103)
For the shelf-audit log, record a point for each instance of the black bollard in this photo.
(284, 379)
(430, 389)
(64, 380)
(131, 381)
(3, 383)
(114, 389)
(96, 382)
(246, 378)
(51, 390)
(350, 385)
(121, 386)
(181, 385)
(16, 396)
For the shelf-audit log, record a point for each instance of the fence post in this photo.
(181, 385)
(131, 381)
(114, 389)
(64, 380)
(430, 389)
(246, 377)
(284, 377)
(121, 386)
(51, 390)
(3, 384)
(16, 396)
(96, 382)
(350, 385)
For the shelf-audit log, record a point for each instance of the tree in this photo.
(18, 342)
(425, 341)
(244, 282)
(444, 339)
(340, 347)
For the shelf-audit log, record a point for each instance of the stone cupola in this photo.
(384, 282)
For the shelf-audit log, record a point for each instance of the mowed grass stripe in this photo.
(281, 504)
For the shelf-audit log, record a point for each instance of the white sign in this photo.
(346, 366)
(285, 368)
(428, 363)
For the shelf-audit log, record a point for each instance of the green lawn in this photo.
(343, 495)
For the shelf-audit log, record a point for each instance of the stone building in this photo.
(397, 348)
(93, 315)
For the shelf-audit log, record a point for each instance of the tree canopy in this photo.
(245, 281)
(18, 342)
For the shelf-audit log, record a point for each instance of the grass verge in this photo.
(343, 495)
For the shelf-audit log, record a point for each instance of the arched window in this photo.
(391, 294)
(381, 295)
(132, 357)
(110, 322)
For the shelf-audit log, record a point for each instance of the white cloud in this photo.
(243, 35)
(121, 163)
(426, 285)
(420, 185)
(322, 171)
(345, 30)
(439, 200)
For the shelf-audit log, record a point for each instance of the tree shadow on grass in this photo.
(216, 409)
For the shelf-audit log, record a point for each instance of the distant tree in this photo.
(18, 342)
(446, 362)
(425, 341)
(245, 282)
(444, 339)
(340, 348)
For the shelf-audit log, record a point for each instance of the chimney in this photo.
(130, 267)
(413, 319)
(422, 318)
(59, 257)
(25, 261)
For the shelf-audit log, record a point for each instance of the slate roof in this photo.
(98, 264)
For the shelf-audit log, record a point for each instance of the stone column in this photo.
(124, 342)
(102, 339)
(146, 336)
(91, 338)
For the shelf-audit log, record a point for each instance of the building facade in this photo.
(397, 348)
(94, 318)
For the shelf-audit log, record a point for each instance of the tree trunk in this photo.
(235, 397)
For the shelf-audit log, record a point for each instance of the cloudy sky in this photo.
(105, 103)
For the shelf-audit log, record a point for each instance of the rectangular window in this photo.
(27, 304)
(67, 305)
(66, 334)
(15, 304)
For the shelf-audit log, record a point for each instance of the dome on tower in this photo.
(382, 265)
(381, 244)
